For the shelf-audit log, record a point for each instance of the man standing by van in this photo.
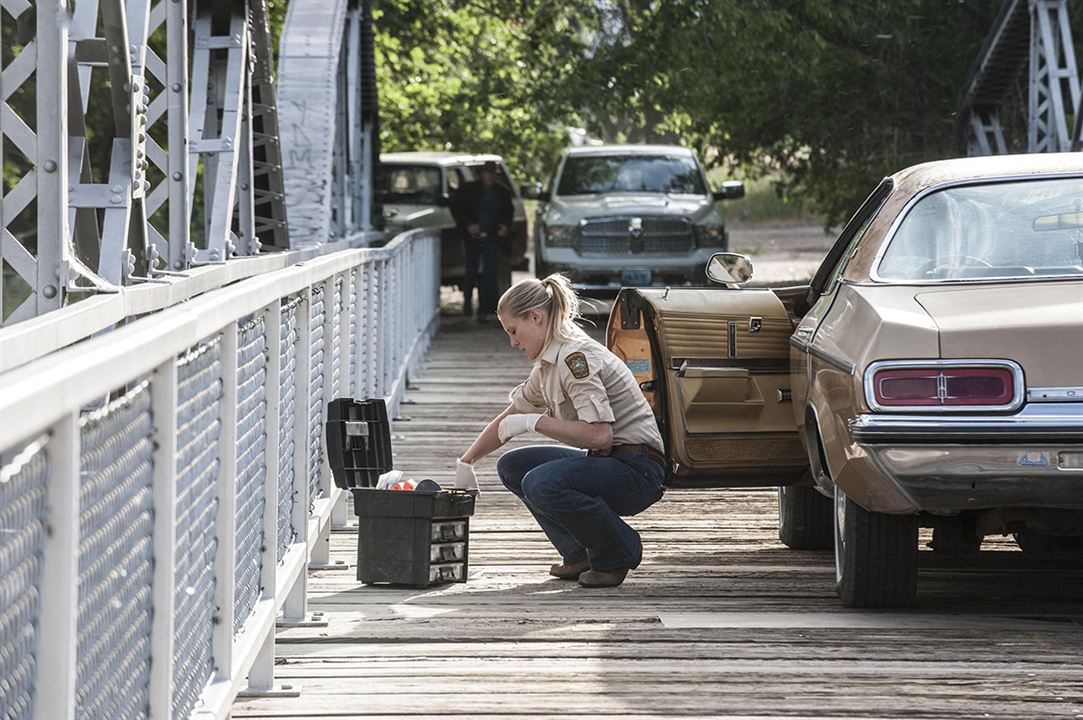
(483, 213)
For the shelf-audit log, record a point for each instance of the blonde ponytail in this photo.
(553, 295)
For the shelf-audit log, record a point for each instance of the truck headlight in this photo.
(710, 235)
(560, 235)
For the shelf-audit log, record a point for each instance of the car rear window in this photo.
(1019, 229)
(409, 184)
(635, 173)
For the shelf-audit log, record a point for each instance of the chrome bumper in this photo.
(1033, 458)
(1042, 422)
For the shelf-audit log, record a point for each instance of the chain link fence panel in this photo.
(23, 518)
(199, 426)
(116, 558)
(251, 466)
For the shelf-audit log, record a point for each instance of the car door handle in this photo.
(804, 330)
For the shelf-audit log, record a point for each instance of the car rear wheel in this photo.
(804, 519)
(876, 556)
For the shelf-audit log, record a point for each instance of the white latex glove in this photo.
(465, 479)
(517, 424)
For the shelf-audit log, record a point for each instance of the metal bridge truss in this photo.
(140, 142)
(163, 480)
(164, 485)
(1006, 110)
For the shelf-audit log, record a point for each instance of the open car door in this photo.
(714, 366)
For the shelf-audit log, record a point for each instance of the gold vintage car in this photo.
(931, 374)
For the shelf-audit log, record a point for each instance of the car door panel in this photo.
(714, 365)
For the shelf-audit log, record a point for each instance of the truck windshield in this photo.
(631, 173)
(409, 184)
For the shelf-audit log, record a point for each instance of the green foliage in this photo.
(832, 93)
(479, 76)
(827, 96)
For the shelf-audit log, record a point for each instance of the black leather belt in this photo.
(638, 449)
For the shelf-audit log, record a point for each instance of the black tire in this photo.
(1048, 546)
(876, 556)
(541, 269)
(805, 519)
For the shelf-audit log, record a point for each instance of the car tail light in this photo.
(946, 385)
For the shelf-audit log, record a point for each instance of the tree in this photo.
(481, 75)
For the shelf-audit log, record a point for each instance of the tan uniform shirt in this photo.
(581, 380)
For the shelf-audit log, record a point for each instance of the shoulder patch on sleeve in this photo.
(577, 363)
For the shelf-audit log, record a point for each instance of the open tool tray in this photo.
(412, 538)
(403, 537)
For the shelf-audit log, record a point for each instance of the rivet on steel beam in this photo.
(49, 291)
(178, 265)
(175, 87)
(244, 186)
(115, 199)
(117, 188)
(178, 176)
(49, 166)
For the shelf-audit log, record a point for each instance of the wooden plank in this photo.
(719, 621)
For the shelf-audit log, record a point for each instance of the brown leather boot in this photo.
(569, 571)
(603, 578)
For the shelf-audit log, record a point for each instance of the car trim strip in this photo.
(751, 364)
(1055, 394)
(845, 365)
(1040, 422)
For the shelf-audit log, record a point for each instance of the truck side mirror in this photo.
(731, 190)
(531, 191)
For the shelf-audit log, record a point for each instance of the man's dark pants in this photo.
(483, 250)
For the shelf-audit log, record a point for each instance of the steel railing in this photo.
(163, 485)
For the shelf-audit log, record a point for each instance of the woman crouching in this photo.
(579, 394)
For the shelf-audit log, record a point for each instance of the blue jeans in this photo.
(483, 249)
(578, 500)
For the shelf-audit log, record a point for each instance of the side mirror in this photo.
(531, 191)
(729, 268)
(731, 190)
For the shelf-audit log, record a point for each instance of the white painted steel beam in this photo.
(164, 414)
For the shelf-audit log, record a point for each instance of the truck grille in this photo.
(614, 236)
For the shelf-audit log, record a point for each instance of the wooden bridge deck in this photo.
(721, 620)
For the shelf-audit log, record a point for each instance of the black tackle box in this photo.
(403, 537)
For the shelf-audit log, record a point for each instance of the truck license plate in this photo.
(635, 278)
